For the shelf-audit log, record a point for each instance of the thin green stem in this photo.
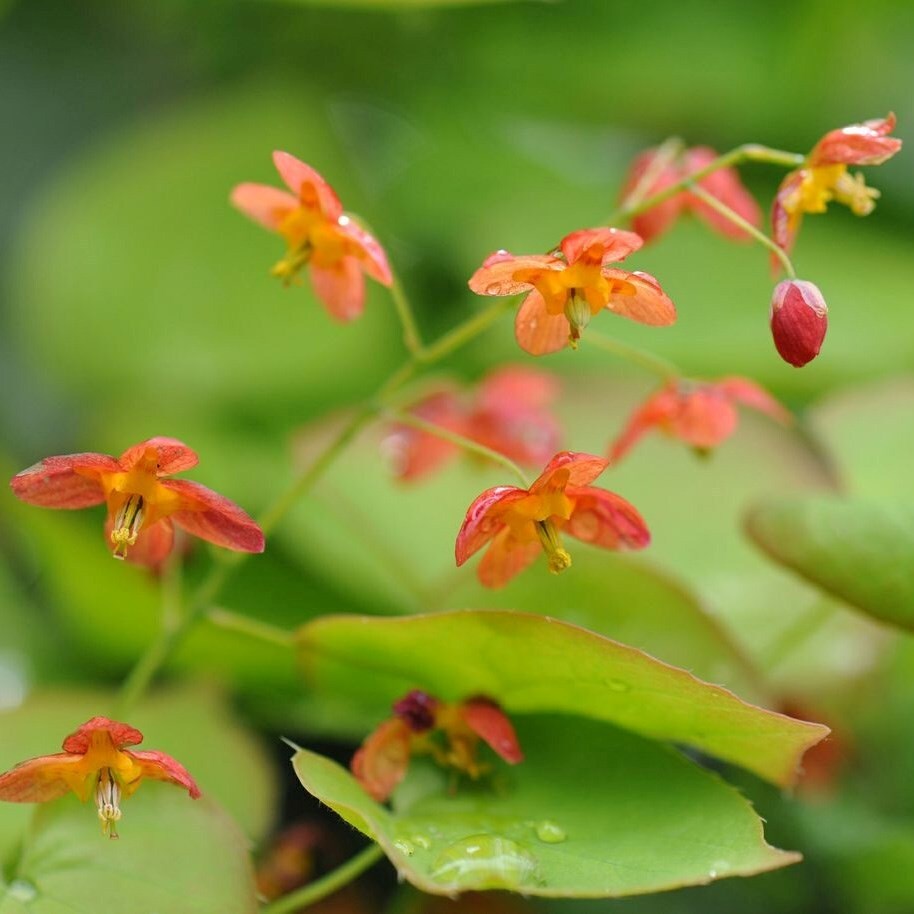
(466, 444)
(653, 363)
(326, 885)
(253, 628)
(750, 152)
(793, 637)
(468, 330)
(725, 211)
(411, 336)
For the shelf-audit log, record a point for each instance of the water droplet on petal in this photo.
(485, 862)
(22, 890)
(550, 832)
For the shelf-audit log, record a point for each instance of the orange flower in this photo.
(519, 523)
(824, 177)
(317, 233)
(702, 414)
(94, 761)
(383, 759)
(566, 288)
(142, 504)
(724, 184)
(508, 413)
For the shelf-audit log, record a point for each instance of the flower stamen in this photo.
(556, 556)
(108, 799)
(127, 524)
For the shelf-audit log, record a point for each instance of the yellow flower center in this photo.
(825, 183)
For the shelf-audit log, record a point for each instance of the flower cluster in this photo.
(424, 725)
(508, 413)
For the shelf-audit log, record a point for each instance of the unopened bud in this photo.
(799, 319)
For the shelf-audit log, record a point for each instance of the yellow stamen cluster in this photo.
(108, 798)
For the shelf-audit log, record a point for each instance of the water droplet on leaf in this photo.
(22, 890)
(550, 832)
(422, 841)
(405, 847)
(485, 862)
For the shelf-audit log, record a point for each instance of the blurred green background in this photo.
(134, 301)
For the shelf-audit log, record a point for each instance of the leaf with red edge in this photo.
(532, 664)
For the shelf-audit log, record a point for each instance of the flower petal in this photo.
(121, 735)
(372, 256)
(616, 244)
(605, 519)
(487, 720)
(310, 188)
(341, 287)
(658, 409)
(172, 456)
(658, 219)
(726, 186)
(214, 517)
(382, 760)
(161, 767)
(483, 519)
(512, 386)
(858, 144)
(784, 223)
(641, 299)
(506, 557)
(578, 469)
(705, 418)
(496, 275)
(415, 453)
(747, 392)
(68, 481)
(264, 204)
(536, 330)
(45, 778)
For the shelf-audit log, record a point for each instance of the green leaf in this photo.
(592, 811)
(859, 551)
(175, 855)
(535, 664)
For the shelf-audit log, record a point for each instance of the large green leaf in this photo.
(534, 664)
(175, 854)
(592, 811)
(859, 551)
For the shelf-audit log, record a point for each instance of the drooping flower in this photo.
(518, 524)
(95, 762)
(799, 319)
(724, 184)
(566, 288)
(508, 413)
(824, 177)
(142, 503)
(701, 414)
(424, 725)
(317, 233)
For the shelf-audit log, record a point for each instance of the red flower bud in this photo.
(799, 319)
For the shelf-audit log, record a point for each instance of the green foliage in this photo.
(533, 664)
(859, 551)
(591, 812)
